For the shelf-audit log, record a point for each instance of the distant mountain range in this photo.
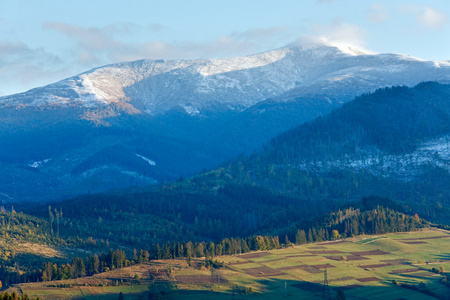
(337, 72)
(137, 123)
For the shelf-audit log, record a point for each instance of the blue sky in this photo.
(43, 41)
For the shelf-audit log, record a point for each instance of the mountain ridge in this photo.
(300, 69)
(60, 140)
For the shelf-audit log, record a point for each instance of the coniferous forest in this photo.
(372, 215)
(263, 201)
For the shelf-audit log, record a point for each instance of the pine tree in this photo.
(287, 242)
(135, 257)
(51, 218)
(300, 238)
(57, 222)
(310, 236)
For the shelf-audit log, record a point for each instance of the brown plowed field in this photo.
(326, 252)
(199, 279)
(411, 270)
(255, 255)
(375, 266)
(371, 252)
(349, 257)
(415, 243)
(368, 279)
(263, 271)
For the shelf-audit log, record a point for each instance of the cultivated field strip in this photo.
(362, 270)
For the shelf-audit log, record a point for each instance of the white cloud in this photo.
(341, 32)
(261, 33)
(131, 28)
(90, 43)
(226, 45)
(426, 16)
(22, 66)
(377, 13)
(265, 37)
(96, 46)
(431, 18)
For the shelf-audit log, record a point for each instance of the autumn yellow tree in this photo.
(335, 235)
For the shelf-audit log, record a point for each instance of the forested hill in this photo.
(370, 146)
(270, 191)
(126, 228)
(394, 143)
(393, 120)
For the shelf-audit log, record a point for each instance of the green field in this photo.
(363, 268)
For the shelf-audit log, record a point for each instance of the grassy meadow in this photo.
(363, 267)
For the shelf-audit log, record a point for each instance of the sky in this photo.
(44, 41)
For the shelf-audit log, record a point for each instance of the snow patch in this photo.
(219, 66)
(302, 69)
(191, 110)
(130, 173)
(150, 162)
(444, 63)
(339, 78)
(351, 50)
(403, 167)
(38, 164)
(6, 196)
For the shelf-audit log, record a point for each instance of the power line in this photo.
(326, 288)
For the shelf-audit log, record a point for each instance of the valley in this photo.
(244, 177)
(363, 267)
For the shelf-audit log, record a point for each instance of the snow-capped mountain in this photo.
(334, 72)
(137, 123)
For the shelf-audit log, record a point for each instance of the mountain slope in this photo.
(136, 123)
(394, 143)
(391, 122)
(338, 72)
(304, 172)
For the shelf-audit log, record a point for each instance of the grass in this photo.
(286, 273)
(368, 240)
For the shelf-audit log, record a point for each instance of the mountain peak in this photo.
(315, 68)
(322, 44)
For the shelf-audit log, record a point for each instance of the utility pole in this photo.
(326, 288)
(218, 280)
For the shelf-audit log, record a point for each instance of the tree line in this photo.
(368, 218)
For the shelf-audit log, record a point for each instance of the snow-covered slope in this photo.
(336, 72)
(403, 167)
(130, 124)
